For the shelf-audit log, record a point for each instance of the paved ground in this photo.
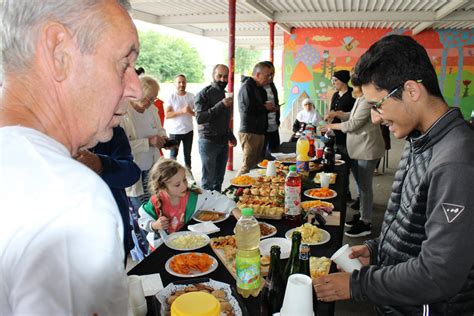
(382, 188)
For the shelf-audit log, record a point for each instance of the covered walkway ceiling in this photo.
(210, 17)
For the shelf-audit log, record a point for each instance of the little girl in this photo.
(172, 203)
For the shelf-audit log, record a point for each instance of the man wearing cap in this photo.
(342, 100)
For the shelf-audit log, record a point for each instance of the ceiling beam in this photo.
(241, 32)
(282, 18)
(440, 14)
(269, 16)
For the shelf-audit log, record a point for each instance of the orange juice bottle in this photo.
(302, 159)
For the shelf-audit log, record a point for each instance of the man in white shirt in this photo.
(179, 114)
(69, 67)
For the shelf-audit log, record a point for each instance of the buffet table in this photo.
(155, 262)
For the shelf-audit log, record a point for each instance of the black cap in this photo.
(343, 75)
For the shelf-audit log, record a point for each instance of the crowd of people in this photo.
(60, 134)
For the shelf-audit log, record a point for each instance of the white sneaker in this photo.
(189, 175)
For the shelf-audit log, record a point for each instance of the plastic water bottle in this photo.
(292, 214)
(247, 261)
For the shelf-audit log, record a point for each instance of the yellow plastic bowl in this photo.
(196, 304)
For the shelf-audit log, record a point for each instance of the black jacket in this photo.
(424, 256)
(253, 115)
(212, 116)
(344, 104)
(119, 171)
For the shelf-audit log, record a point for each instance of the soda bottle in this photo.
(329, 155)
(292, 214)
(273, 291)
(247, 261)
(312, 148)
(302, 159)
(293, 264)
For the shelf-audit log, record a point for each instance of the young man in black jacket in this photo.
(422, 263)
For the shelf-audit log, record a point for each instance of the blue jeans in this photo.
(214, 159)
(187, 140)
(363, 173)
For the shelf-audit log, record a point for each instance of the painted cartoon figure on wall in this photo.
(311, 55)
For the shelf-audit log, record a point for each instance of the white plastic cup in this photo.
(271, 169)
(324, 179)
(140, 310)
(298, 298)
(341, 258)
(229, 94)
(136, 295)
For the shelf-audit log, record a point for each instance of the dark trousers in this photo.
(214, 159)
(187, 140)
(342, 150)
(272, 142)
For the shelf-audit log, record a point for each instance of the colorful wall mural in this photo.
(311, 55)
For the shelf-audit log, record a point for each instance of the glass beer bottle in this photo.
(293, 264)
(273, 291)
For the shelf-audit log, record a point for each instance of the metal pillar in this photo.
(272, 39)
(230, 85)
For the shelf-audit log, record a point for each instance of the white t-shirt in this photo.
(61, 234)
(181, 124)
(272, 124)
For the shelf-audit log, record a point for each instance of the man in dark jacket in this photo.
(213, 112)
(253, 115)
(422, 263)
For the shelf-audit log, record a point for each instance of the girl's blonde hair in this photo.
(161, 172)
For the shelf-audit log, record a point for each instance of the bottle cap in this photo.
(276, 249)
(292, 168)
(247, 211)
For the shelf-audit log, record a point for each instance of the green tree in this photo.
(165, 57)
(245, 59)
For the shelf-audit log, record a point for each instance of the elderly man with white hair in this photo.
(69, 70)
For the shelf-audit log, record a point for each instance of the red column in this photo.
(272, 39)
(230, 85)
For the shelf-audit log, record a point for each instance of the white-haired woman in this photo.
(147, 136)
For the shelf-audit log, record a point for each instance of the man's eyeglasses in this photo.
(377, 105)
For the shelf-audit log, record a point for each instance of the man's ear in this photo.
(55, 44)
(413, 90)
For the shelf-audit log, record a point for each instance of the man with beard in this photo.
(213, 112)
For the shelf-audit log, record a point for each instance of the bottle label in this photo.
(302, 167)
(248, 272)
(292, 200)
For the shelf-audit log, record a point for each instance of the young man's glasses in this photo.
(377, 105)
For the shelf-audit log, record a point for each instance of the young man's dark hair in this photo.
(393, 60)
